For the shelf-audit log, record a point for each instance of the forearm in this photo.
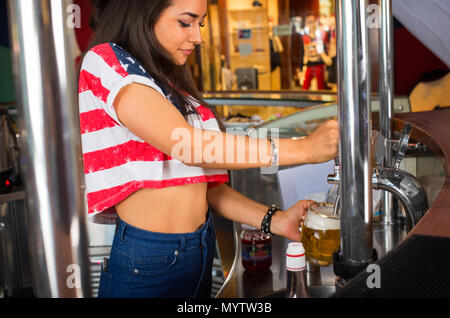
(234, 206)
(218, 150)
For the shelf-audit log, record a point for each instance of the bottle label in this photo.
(296, 263)
(256, 252)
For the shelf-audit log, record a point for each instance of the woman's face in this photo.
(178, 28)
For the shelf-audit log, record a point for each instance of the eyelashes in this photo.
(187, 25)
(184, 25)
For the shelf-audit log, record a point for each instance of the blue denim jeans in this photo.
(159, 265)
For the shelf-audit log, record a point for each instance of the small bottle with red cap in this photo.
(296, 271)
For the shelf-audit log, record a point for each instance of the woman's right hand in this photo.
(323, 144)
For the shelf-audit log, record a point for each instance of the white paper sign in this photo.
(305, 182)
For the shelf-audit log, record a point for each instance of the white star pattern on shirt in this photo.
(125, 66)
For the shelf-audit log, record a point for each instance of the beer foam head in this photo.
(320, 217)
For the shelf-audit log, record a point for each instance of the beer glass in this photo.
(321, 234)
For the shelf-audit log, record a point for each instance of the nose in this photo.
(196, 35)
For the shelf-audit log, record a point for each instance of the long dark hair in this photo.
(130, 25)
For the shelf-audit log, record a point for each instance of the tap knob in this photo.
(335, 178)
(402, 146)
(337, 167)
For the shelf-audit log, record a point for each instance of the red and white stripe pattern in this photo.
(117, 162)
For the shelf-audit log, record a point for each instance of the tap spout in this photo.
(407, 188)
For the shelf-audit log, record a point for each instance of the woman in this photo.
(136, 96)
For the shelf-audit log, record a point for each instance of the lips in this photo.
(187, 52)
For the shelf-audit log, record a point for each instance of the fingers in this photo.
(301, 208)
(309, 203)
(306, 205)
(325, 141)
(333, 135)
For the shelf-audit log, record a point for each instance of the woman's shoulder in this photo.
(109, 48)
(109, 59)
(116, 56)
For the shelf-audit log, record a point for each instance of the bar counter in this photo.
(433, 129)
(429, 128)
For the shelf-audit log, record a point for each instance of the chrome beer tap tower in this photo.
(354, 171)
(46, 97)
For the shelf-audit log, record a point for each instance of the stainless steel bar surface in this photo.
(354, 100)
(386, 91)
(44, 71)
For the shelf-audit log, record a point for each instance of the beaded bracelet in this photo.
(265, 224)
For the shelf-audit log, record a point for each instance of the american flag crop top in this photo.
(117, 162)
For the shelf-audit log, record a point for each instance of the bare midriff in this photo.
(178, 209)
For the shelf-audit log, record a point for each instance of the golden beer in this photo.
(321, 234)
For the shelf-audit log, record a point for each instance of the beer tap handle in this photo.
(335, 178)
(337, 168)
(336, 207)
(336, 161)
(402, 146)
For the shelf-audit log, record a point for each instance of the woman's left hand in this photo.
(288, 222)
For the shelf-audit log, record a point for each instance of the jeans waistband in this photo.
(143, 238)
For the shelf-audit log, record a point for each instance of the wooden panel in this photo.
(432, 129)
(299, 8)
(435, 223)
(286, 41)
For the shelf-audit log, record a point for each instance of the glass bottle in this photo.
(256, 249)
(296, 271)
